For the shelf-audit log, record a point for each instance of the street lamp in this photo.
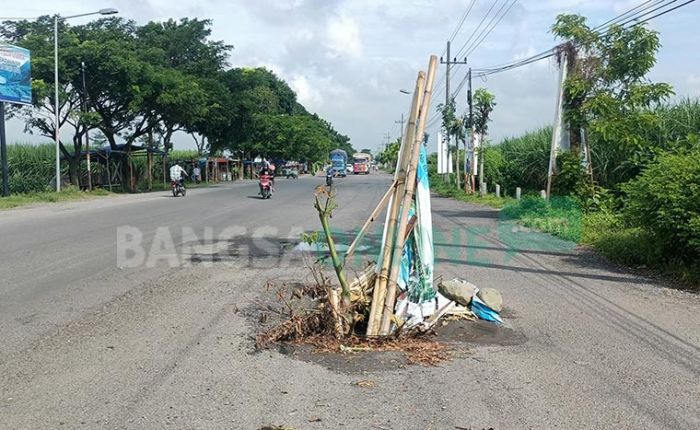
(404, 91)
(107, 11)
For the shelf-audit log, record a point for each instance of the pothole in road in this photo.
(284, 250)
(457, 335)
(451, 340)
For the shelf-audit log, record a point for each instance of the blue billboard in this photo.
(15, 75)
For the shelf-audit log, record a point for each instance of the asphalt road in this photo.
(132, 312)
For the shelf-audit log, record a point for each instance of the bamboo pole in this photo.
(379, 292)
(380, 207)
(407, 197)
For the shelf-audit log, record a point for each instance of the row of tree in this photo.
(140, 84)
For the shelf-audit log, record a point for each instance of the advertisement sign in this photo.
(15, 75)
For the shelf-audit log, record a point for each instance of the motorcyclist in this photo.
(177, 174)
(330, 173)
(265, 170)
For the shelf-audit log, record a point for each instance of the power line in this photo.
(617, 18)
(635, 14)
(481, 32)
(502, 12)
(614, 21)
(478, 27)
(461, 21)
(657, 15)
(468, 9)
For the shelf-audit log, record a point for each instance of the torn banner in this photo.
(418, 299)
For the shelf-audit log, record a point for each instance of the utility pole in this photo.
(402, 123)
(469, 182)
(449, 62)
(558, 125)
(387, 136)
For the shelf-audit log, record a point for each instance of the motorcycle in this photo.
(265, 186)
(329, 178)
(178, 188)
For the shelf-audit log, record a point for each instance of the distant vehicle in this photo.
(361, 163)
(339, 160)
(349, 168)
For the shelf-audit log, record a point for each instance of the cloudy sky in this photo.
(347, 59)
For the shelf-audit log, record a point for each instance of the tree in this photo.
(606, 92)
(453, 127)
(484, 102)
(187, 60)
(290, 137)
(390, 155)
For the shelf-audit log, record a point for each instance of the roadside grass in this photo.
(559, 216)
(71, 193)
(443, 189)
(606, 233)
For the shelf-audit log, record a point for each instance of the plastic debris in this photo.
(484, 312)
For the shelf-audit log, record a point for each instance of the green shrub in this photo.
(630, 246)
(493, 168)
(665, 200)
(571, 176)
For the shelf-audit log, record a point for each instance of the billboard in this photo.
(15, 75)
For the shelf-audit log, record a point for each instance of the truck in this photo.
(361, 163)
(339, 159)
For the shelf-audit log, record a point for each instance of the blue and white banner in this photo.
(15, 75)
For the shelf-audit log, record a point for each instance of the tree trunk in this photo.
(74, 170)
(574, 139)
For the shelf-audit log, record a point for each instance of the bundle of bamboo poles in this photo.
(398, 199)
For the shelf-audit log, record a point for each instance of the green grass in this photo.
(559, 216)
(450, 190)
(71, 193)
(605, 233)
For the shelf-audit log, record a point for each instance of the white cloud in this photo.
(307, 94)
(343, 37)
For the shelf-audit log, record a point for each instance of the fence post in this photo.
(498, 191)
(482, 189)
(518, 193)
(543, 194)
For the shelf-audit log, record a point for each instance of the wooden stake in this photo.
(407, 198)
(379, 293)
(380, 207)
